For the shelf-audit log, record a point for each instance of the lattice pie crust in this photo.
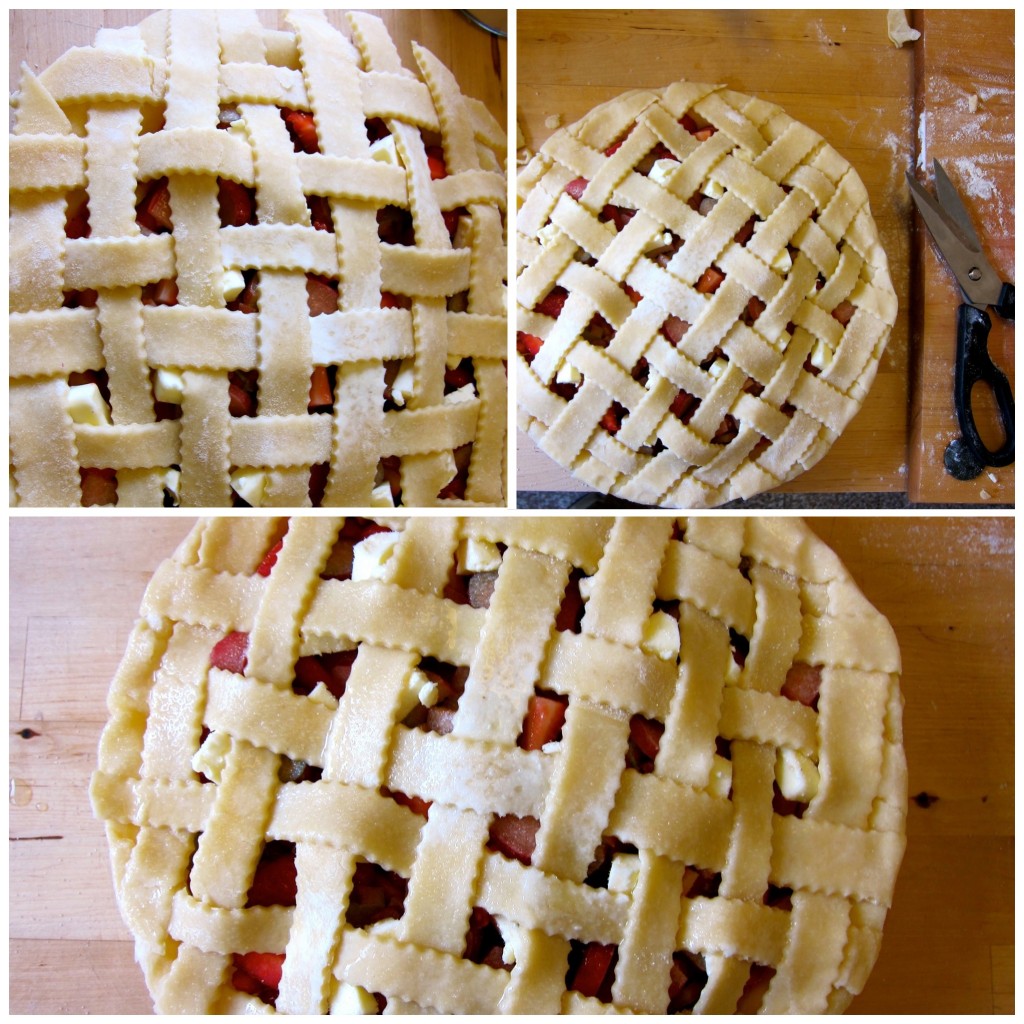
(702, 296)
(714, 822)
(255, 265)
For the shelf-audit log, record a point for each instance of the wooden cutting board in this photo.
(946, 585)
(976, 148)
(837, 72)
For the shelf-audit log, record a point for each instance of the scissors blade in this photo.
(961, 250)
(950, 201)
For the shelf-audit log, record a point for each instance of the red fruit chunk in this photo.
(99, 486)
(589, 978)
(674, 328)
(303, 130)
(320, 394)
(576, 187)
(231, 653)
(274, 883)
(154, 212)
(645, 734)
(709, 281)
(270, 559)
(515, 837)
(321, 295)
(545, 717)
(435, 161)
(236, 203)
(528, 344)
(844, 312)
(803, 683)
(256, 971)
(552, 303)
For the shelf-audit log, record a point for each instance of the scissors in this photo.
(951, 227)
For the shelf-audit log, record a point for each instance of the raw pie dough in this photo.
(255, 265)
(702, 296)
(721, 808)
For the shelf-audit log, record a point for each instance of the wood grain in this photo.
(946, 584)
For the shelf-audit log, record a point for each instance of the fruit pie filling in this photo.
(89, 399)
(361, 551)
(598, 332)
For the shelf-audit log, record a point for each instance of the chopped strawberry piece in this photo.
(321, 295)
(633, 294)
(259, 971)
(377, 895)
(231, 653)
(320, 213)
(484, 941)
(803, 683)
(242, 393)
(237, 204)
(683, 406)
(320, 394)
(76, 223)
(618, 215)
(154, 211)
(514, 837)
(528, 344)
(590, 976)
(245, 301)
(552, 303)
(303, 130)
(709, 281)
(576, 187)
(99, 486)
(318, 475)
(388, 300)
(416, 804)
(844, 312)
(688, 123)
(612, 419)
(645, 734)
(545, 717)
(746, 232)
(755, 307)
(570, 613)
(435, 161)
(727, 431)
(674, 328)
(275, 881)
(376, 129)
(456, 377)
(160, 293)
(270, 559)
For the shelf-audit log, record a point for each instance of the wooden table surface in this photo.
(837, 72)
(946, 584)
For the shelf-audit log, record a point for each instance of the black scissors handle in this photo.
(1004, 307)
(974, 364)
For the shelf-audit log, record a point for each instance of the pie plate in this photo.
(517, 765)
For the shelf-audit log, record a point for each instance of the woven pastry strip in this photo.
(305, 238)
(702, 296)
(328, 785)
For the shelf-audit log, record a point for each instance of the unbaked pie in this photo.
(702, 296)
(251, 266)
(526, 765)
